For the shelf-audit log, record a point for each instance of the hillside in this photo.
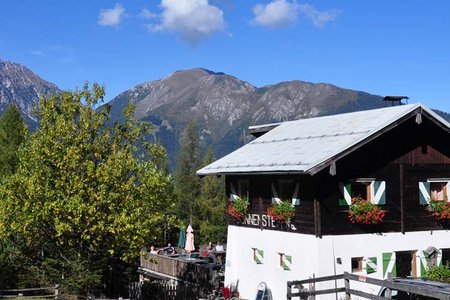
(224, 106)
(22, 87)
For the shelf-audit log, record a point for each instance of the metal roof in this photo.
(309, 145)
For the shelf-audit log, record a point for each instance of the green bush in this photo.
(441, 273)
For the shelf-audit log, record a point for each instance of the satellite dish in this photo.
(263, 292)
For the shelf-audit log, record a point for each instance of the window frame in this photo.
(359, 261)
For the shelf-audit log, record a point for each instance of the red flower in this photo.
(365, 212)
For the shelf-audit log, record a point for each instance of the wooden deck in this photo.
(180, 268)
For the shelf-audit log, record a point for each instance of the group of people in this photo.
(166, 250)
(211, 250)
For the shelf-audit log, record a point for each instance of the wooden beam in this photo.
(402, 199)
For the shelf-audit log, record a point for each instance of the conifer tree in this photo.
(187, 183)
(13, 132)
(212, 204)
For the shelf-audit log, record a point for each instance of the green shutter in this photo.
(286, 262)
(346, 191)
(389, 264)
(424, 258)
(379, 192)
(424, 193)
(371, 265)
(258, 256)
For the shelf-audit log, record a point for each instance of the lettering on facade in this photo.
(260, 220)
(264, 221)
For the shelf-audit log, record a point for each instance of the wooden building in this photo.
(396, 157)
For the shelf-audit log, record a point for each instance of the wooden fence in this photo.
(304, 293)
(31, 293)
(182, 270)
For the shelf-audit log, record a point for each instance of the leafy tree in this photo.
(187, 183)
(13, 132)
(212, 204)
(81, 197)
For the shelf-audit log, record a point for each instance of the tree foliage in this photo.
(187, 183)
(81, 194)
(212, 204)
(13, 132)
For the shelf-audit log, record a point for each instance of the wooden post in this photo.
(289, 291)
(402, 206)
(347, 286)
(56, 291)
(388, 290)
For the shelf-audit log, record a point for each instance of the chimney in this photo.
(395, 100)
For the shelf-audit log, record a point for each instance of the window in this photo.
(434, 188)
(362, 189)
(286, 189)
(438, 190)
(285, 261)
(258, 256)
(366, 188)
(445, 257)
(243, 188)
(357, 263)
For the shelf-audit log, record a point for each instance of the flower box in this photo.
(282, 212)
(365, 212)
(238, 208)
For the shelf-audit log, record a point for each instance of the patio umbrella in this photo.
(189, 247)
(182, 238)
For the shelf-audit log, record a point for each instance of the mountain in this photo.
(223, 106)
(20, 86)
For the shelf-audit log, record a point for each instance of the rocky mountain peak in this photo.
(22, 87)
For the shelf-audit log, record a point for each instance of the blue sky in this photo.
(381, 47)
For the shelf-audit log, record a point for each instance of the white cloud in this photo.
(285, 13)
(111, 16)
(146, 14)
(193, 20)
(38, 53)
(318, 18)
(276, 14)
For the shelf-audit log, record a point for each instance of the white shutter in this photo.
(233, 194)
(424, 193)
(275, 198)
(295, 198)
(346, 192)
(378, 190)
(448, 191)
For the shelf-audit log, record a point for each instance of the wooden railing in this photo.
(31, 293)
(305, 293)
(182, 270)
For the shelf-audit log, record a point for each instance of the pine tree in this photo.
(187, 183)
(212, 204)
(13, 132)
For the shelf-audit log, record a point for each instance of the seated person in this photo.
(169, 249)
(153, 250)
(219, 247)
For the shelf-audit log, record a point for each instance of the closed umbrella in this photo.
(189, 247)
(182, 238)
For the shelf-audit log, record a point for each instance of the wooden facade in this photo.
(401, 157)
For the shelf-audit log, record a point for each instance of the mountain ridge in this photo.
(223, 106)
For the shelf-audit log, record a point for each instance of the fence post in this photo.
(289, 290)
(388, 290)
(56, 291)
(347, 286)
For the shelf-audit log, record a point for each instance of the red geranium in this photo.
(365, 212)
